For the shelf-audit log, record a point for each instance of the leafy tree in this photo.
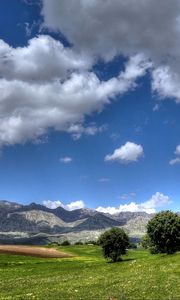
(114, 243)
(91, 242)
(132, 246)
(78, 243)
(65, 243)
(164, 232)
(146, 242)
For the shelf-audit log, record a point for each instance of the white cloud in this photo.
(130, 152)
(43, 59)
(45, 85)
(176, 160)
(177, 151)
(71, 206)
(77, 130)
(75, 205)
(156, 201)
(166, 83)
(52, 204)
(66, 159)
(104, 29)
(150, 206)
(101, 29)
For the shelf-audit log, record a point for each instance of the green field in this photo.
(88, 276)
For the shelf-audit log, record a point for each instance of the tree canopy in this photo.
(164, 232)
(114, 243)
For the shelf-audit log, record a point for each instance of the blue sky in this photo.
(89, 110)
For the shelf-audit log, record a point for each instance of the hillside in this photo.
(98, 221)
(35, 223)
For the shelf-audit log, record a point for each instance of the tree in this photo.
(164, 232)
(146, 242)
(65, 243)
(114, 243)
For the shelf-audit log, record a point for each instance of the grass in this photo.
(88, 276)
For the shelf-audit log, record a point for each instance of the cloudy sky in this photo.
(90, 103)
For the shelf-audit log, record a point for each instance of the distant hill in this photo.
(98, 221)
(9, 206)
(35, 222)
(126, 216)
(73, 215)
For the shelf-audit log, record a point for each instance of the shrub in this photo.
(91, 242)
(78, 243)
(132, 246)
(65, 243)
(114, 243)
(146, 242)
(164, 232)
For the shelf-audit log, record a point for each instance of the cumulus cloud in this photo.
(45, 85)
(52, 204)
(66, 159)
(43, 59)
(166, 83)
(101, 29)
(71, 206)
(106, 29)
(75, 205)
(157, 201)
(130, 152)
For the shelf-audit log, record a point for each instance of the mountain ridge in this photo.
(34, 219)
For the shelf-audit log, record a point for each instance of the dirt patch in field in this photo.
(32, 251)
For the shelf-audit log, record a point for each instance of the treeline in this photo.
(163, 236)
(68, 243)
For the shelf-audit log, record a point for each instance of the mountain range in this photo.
(38, 224)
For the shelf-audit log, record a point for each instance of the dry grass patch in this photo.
(33, 251)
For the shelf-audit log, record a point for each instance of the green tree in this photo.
(164, 232)
(114, 243)
(65, 243)
(146, 242)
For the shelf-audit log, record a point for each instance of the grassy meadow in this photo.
(88, 275)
